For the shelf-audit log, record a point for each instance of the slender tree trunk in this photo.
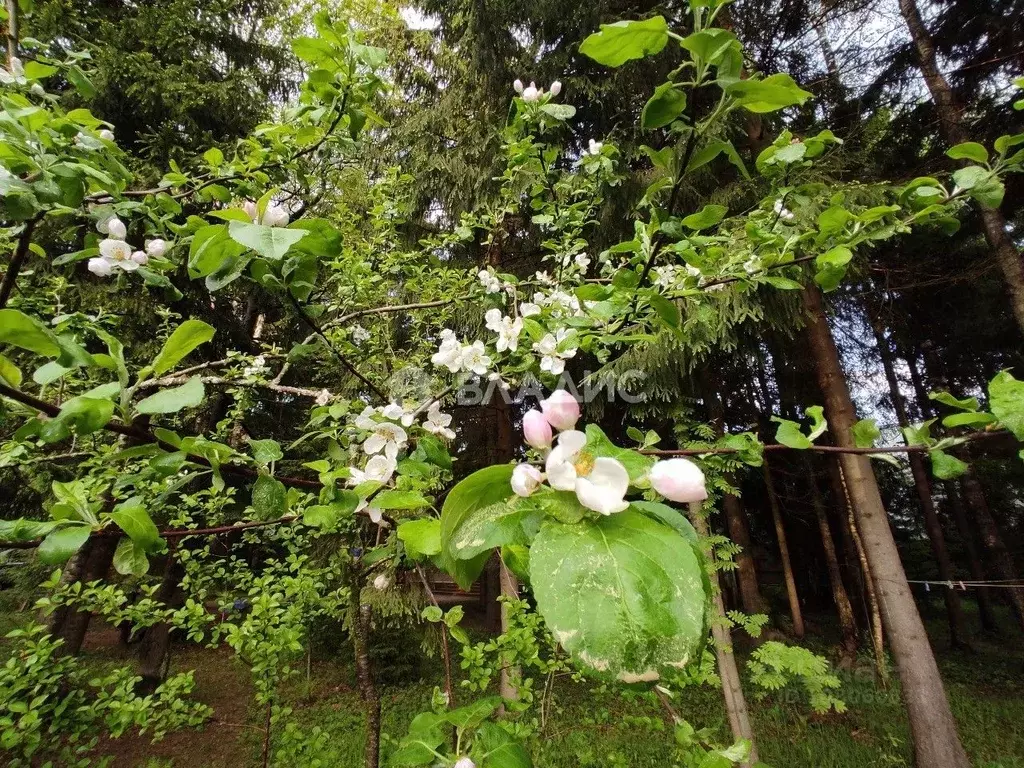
(360, 618)
(958, 635)
(12, 29)
(157, 639)
(991, 538)
(957, 508)
(847, 624)
(787, 565)
(73, 570)
(735, 515)
(510, 589)
(936, 742)
(951, 120)
(76, 623)
(732, 689)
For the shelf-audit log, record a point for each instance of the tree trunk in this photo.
(157, 639)
(847, 624)
(958, 636)
(510, 589)
(993, 541)
(732, 689)
(360, 618)
(951, 120)
(97, 564)
(936, 742)
(787, 565)
(72, 572)
(957, 509)
(735, 515)
(988, 530)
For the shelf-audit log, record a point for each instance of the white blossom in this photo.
(106, 134)
(556, 88)
(259, 366)
(552, 358)
(474, 358)
(531, 93)
(101, 267)
(783, 213)
(490, 281)
(437, 422)
(528, 309)
(508, 330)
(140, 257)
(600, 483)
(324, 397)
(387, 437)
(118, 254)
(112, 226)
(464, 762)
(595, 147)
(449, 353)
(526, 479)
(582, 261)
(517, 85)
(381, 582)
(379, 468)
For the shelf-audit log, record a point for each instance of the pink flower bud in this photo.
(678, 480)
(536, 429)
(561, 410)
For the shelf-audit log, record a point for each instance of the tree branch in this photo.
(18, 258)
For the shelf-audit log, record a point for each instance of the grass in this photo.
(594, 727)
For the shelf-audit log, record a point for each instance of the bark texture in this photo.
(97, 564)
(936, 741)
(787, 564)
(732, 689)
(951, 120)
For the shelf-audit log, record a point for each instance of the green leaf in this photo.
(831, 221)
(266, 451)
(624, 41)
(666, 309)
(329, 515)
(790, 434)
(132, 518)
(22, 331)
(865, 432)
(10, 374)
(983, 185)
(186, 337)
(422, 538)
(637, 465)
(946, 467)
(496, 525)
(494, 747)
(269, 242)
(669, 516)
(130, 559)
(624, 595)
(85, 414)
(964, 404)
(400, 500)
(188, 395)
(474, 713)
(709, 216)
(969, 150)
(769, 95)
(484, 487)
(60, 544)
(667, 103)
(980, 419)
(559, 111)
(1006, 397)
(269, 498)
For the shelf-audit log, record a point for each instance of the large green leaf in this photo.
(483, 488)
(61, 544)
(132, 518)
(1006, 396)
(25, 332)
(130, 559)
(494, 747)
(173, 399)
(185, 338)
(623, 41)
(269, 242)
(769, 95)
(396, 499)
(664, 106)
(624, 595)
(269, 497)
(496, 525)
(422, 538)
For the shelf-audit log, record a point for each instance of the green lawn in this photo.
(590, 726)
